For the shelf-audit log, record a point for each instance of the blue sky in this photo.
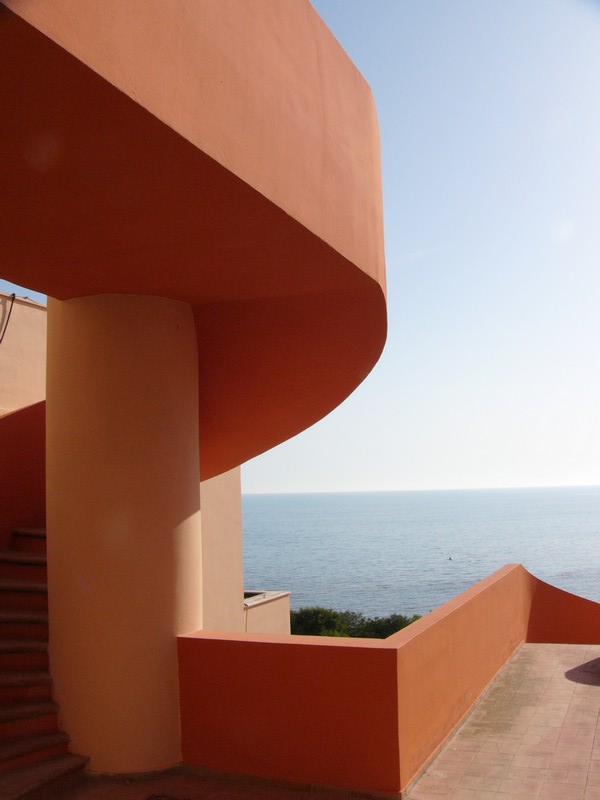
(490, 128)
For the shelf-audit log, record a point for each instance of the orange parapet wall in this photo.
(305, 709)
(558, 616)
(356, 713)
(22, 470)
(222, 154)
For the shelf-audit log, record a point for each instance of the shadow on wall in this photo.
(22, 470)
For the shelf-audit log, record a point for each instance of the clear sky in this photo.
(490, 128)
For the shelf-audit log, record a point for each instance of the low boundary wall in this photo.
(22, 470)
(363, 714)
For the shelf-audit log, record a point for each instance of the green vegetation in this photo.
(317, 621)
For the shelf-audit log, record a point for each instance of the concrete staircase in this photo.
(34, 756)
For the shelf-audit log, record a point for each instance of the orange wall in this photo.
(306, 709)
(447, 658)
(558, 616)
(22, 468)
(267, 210)
(222, 568)
(123, 514)
(22, 353)
(23, 427)
(359, 713)
(263, 88)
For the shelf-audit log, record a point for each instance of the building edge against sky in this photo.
(180, 342)
(458, 647)
(161, 380)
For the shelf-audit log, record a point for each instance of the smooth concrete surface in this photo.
(534, 734)
(384, 706)
(268, 613)
(22, 354)
(310, 138)
(222, 567)
(22, 470)
(123, 522)
(305, 709)
(223, 154)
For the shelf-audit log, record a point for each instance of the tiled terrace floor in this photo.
(535, 733)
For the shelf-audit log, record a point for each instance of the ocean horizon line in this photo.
(549, 487)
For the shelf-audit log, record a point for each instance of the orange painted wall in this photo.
(22, 470)
(263, 88)
(267, 209)
(306, 709)
(447, 658)
(310, 709)
(123, 515)
(222, 563)
(558, 616)
(22, 353)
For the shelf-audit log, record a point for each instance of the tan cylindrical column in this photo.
(123, 513)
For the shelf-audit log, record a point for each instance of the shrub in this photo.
(318, 621)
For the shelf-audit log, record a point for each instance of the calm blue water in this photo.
(408, 552)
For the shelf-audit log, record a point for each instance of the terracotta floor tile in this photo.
(540, 762)
(423, 793)
(577, 776)
(521, 760)
(556, 775)
(473, 794)
(494, 758)
(510, 786)
(486, 770)
(535, 734)
(561, 791)
(479, 782)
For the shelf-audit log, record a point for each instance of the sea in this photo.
(408, 552)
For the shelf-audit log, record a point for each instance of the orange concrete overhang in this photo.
(223, 154)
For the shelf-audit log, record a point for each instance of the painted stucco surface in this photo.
(225, 155)
(22, 353)
(22, 470)
(310, 716)
(222, 568)
(123, 516)
(197, 187)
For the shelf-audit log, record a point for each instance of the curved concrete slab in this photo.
(221, 154)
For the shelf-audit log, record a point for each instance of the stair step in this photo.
(30, 539)
(25, 686)
(23, 565)
(23, 615)
(28, 719)
(29, 678)
(16, 593)
(23, 645)
(31, 782)
(23, 654)
(22, 557)
(23, 623)
(28, 750)
(26, 710)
